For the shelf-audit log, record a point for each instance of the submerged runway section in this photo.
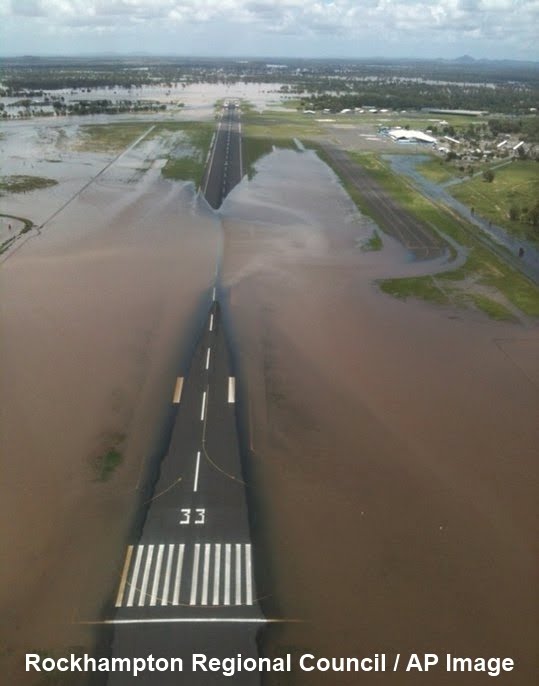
(191, 571)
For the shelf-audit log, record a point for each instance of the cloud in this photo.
(424, 21)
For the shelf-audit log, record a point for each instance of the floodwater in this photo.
(98, 312)
(391, 445)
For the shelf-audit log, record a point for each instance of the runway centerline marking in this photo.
(208, 358)
(211, 322)
(203, 409)
(197, 468)
(231, 389)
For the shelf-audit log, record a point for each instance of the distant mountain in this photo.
(465, 59)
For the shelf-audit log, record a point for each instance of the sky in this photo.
(286, 28)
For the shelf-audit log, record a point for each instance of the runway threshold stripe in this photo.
(145, 576)
(134, 576)
(197, 469)
(248, 575)
(238, 574)
(194, 577)
(157, 575)
(206, 574)
(227, 573)
(178, 390)
(168, 569)
(123, 578)
(178, 580)
(216, 573)
(231, 389)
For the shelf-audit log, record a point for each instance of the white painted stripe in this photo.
(248, 575)
(206, 574)
(227, 574)
(213, 294)
(156, 575)
(134, 576)
(203, 409)
(123, 578)
(197, 620)
(216, 573)
(178, 390)
(145, 576)
(208, 358)
(211, 322)
(168, 569)
(194, 577)
(197, 468)
(231, 389)
(238, 574)
(178, 580)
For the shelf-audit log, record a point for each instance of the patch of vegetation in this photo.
(108, 137)
(492, 308)
(19, 183)
(509, 198)
(107, 463)
(189, 164)
(482, 267)
(374, 243)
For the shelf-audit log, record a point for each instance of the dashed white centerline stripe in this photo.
(177, 582)
(238, 574)
(197, 469)
(134, 576)
(145, 576)
(206, 574)
(227, 574)
(213, 294)
(208, 358)
(203, 409)
(157, 574)
(248, 575)
(216, 573)
(123, 580)
(211, 322)
(194, 577)
(168, 569)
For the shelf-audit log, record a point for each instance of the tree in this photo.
(488, 175)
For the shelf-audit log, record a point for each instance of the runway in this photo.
(187, 584)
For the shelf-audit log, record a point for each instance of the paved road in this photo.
(187, 584)
(225, 166)
(419, 239)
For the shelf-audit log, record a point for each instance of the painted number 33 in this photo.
(199, 515)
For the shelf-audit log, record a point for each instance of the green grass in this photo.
(374, 243)
(492, 308)
(107, 463)
(189, 165)
(19, 183)
(482, 266)
(109, 137)
(515, 185)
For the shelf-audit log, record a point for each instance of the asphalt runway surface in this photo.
(419, 239)
(187, 584)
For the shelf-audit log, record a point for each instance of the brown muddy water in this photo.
(389, 445)
(392, 461)
(97, 314)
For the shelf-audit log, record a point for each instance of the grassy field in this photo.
(484, 282)
(374, 243)
(109, 137)
(188, 165)
(19, 183)
(514, 186)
